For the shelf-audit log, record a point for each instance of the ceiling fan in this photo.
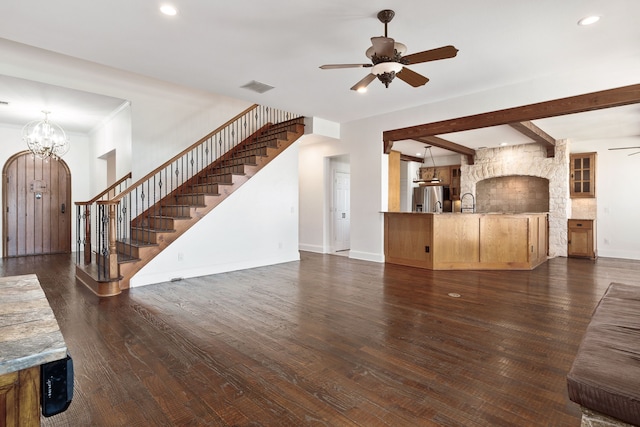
(628, 148)
(387, 60)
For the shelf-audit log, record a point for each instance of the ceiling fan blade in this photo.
(411, 77)
(364, 82)
(633, 154)
(623, 148)
(383, 46)
(334, 66)
(431, 55)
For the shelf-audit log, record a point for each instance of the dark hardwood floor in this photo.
(328, 341)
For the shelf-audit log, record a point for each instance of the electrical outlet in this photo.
(180, 256)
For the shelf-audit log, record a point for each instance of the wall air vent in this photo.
(257, 86)
(4, 103)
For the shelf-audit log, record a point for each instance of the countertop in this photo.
(469, 213)
(29, 333)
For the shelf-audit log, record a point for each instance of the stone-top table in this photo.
(29, 337)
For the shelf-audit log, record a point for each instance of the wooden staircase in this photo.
(166, 220)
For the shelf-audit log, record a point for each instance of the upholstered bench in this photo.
(605, 376)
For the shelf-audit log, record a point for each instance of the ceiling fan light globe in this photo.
(386, 67)
(401, 48)
(370, 52)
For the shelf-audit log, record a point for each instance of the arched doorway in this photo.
(36, 206)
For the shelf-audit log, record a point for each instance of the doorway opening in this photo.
(340, 230)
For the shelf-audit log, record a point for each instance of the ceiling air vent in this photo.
(4, 103)
(257, 86)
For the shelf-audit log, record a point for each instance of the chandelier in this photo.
(434, 179)
(45, 139)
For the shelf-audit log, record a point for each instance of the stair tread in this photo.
(169, 216)
(136, 243)
(197, 205)
(153, 230)
(199, 193)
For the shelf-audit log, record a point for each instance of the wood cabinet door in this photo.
(579, 242)
(583, 175)
(20, 398)
(580, 239)
(37, 206)
(9, 399)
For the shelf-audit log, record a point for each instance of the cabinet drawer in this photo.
(584, 224)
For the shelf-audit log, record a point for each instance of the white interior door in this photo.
(341, 211)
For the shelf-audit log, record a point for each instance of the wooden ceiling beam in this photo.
(532, 131)
(449, 145)
(575, 104)
(408, 158)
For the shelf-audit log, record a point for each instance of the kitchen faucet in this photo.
(438, 202)
(473, 202)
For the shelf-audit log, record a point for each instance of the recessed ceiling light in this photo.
(419, 154)
(168, 10)
(588, 20)
(502, 144)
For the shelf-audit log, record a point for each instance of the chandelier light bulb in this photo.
(45, 139)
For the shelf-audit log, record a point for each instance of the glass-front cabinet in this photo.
(583, 175)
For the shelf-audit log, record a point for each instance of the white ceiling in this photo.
(220, 46)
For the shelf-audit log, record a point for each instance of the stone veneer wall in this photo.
(528, 160)
(514, 193)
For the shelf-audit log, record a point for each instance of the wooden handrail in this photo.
(180, 154)
(106, 191)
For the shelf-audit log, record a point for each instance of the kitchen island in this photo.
(466, 241)
(29, 337)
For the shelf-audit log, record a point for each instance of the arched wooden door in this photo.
(36, 206)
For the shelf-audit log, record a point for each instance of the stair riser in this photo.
(273, 143)
(248, 160)
(261, 151)
(161, 223)
(220, 179)
(205, 188)
(176, 211)
(144, 236)
(190, 199)
(239, 169)
(280, 133)
(125, 248)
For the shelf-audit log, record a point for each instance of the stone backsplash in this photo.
(514, 193)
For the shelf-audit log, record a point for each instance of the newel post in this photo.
(113, 253)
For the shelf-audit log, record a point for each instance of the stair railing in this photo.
(121, 216)
(86, 219)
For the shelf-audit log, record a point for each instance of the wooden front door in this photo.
(36, 206)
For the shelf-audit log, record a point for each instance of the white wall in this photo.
(618, 198)
(256, 225)
(113, 134)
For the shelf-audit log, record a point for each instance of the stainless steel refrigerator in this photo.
(428, 198)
